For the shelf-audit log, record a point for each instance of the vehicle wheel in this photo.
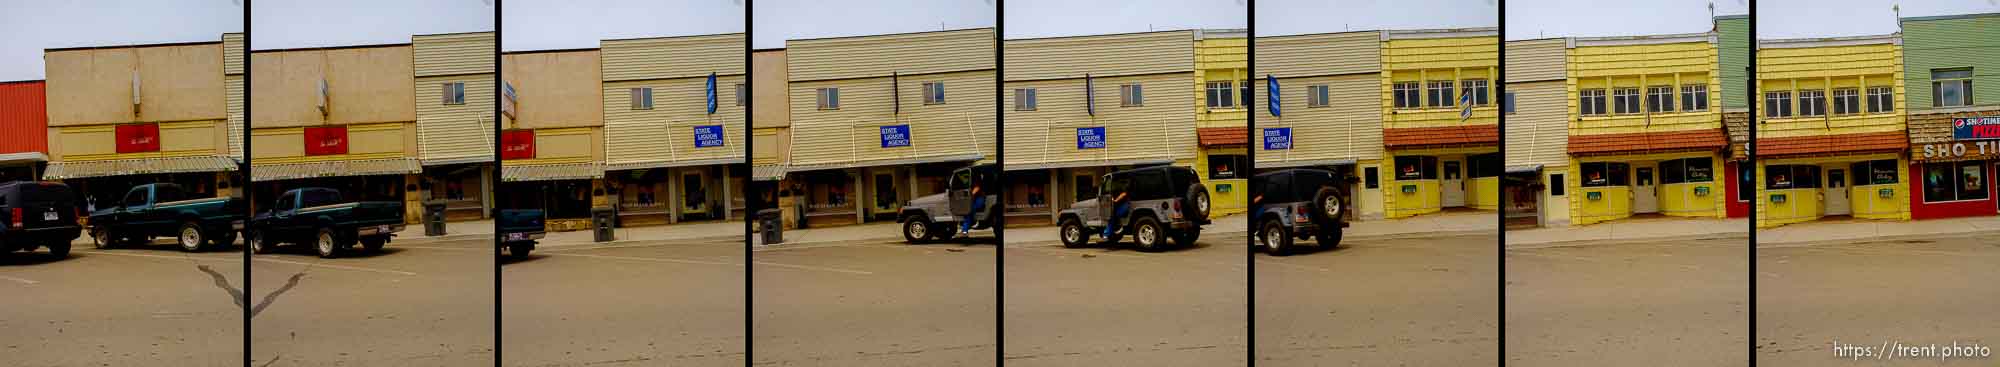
(1186, 238)
(915, 230)
(259, 244)
(1275, 240)
(191, 239)
(228, 238)
(327, 243)
(59, 249)
(1195, 203)
(1326, 206)
(1148, 234)
(1328, 238)
(1072, 234)
(102, 238)
(374, 244)
(519, 251)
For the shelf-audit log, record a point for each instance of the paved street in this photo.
(874, 303)
(1410, 301)
(1641, 303)
(634, 303)
(1098, 306)
(131, 306)
(419, 302)
(1913, 291)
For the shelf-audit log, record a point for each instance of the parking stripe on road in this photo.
(22, 280)
(343, 267)
(232, 257)
(818, 268)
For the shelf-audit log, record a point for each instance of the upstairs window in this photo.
(1408, 95)
(1507, 103)
(1812, 103)
(1846, 101)
(742, 95)
(1625, 100)
(1316, 96)
(1221, 95)
(829, 98)
(1590, 102)
(934, 93)
(642, 98)
(1694, 97)
(1245, 94)
(1881, 100)
(1024, 99)
(1131, 95)
(1440, 94)
(1778, 104)
(1477, 88)
(1951, 87)
(1660, 99)
(454, 93)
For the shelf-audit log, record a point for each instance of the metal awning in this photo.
(23, 157)
(348, 168)
(120, 167)
(621, 166)
(772, 172)
(488, 158)
(549, 172)
(1091, 163)
(1305, 163)
(1527, 168)
(967, 157)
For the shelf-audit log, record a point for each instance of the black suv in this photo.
(37, 214)
(1298, 203)
(1164, 201)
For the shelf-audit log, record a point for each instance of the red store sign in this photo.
(517, 144)
(326, 140)
(138, 138)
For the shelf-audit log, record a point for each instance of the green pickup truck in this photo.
(319, 216)
(167, 210)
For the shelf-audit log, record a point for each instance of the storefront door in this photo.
(694, 192)
(1453, 183)
(884, 198)
(1645, 191)
(1835, 192)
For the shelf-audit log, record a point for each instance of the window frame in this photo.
(454, 93)
(1318, 96)
(1591, 102)
(1478, 89)
(1955, 171)
(933, 93)
(1439, 94)
(1883, 102)
(1622, 98)
(1132, 95)
(1660, 99)
(1616, 174)
(1507, 103)
(1024, 99)
(828, 98)
(742, 94)
(1220, 94)
(1962, 77)
(1846, 101)
(1812, 103)
(1407, 95)
(642, 98)
(1777, 104)
(1694, 98)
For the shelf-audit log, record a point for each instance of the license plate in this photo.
(517, 236)
(381, 229)
(49, 216)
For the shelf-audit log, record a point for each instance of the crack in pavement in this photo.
(237, 293)
(268, 298)
(223, 282)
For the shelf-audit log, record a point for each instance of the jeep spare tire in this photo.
(1194, 205)
(1326, 205)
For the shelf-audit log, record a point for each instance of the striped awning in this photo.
(548, 172)
(968, 157)
(768, 172)
(621, 166)
(120, 167)
(359, 167)
(1091, 163)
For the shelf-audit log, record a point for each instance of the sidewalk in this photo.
(1428, 225)
(1663, 228)
(665, 232)
(1874, 230)
(465, 230)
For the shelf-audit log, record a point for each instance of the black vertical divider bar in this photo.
(1500, 216)
(1000, 158)
(243, 184)
(500, 85)
(1750, 99)
(1250, 154)
(755, 199)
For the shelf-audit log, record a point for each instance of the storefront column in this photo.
(1055, 210)
(860, 210)
(673, 195)
(725, 193)
(486, 192)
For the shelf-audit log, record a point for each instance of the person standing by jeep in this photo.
(978, 204)
(1119, 206)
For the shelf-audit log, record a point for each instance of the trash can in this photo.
(771, 226)
(434, 218)
(601, 219)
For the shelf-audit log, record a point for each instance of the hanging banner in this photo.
(1090, 137)
(707, 136)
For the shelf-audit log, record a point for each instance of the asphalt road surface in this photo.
(1914, 292)
(874, 303)
(1415, 302)
(416, 303)
(130, 306)
(1658, 303)
(1115, 306)
(643, 303)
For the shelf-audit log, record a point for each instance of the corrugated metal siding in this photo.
(1537, 132)
(232, 53)
(677, 57)
(463, 131)
(24, 117)
(1350, 127)
(233, 93)
(874, 56)
(665, 134)
(1734, 51)
(1100, 56)
(1162, 129)
(963, 125)
(1953, 43)
(1319, 54)
(450, 54)
(1536, 60)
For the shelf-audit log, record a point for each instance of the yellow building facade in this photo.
(1222, 90)
(1440, 120)
(1645, 133)
(1831, 134)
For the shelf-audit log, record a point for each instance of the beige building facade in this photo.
(120, 116)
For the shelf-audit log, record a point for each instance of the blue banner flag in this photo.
(1271, 93)
(711, 93)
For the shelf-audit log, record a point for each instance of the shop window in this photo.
(1024, 99)
(1370, 178)
(1484, 165)
(1131, 95)
(1778, 104)
(1316, 96)
(1951, 87)
(1408, 95)
(1557, 186)
(642, 98)
(934, 93)
(454, 93)
(1781, 177)
(1812, 103)
(1221, 167)
(1439, 94)
(1746, 181)
(1953, 181)
(1416, 168)
(1602, 174)
(1590, 102)
(1694, 97)
(1476, 88)
(1700, 169)
(828, 98)
(1660, 99)
(1877, 172)
(1221, 94)
(1881, 100)
(1846, 101)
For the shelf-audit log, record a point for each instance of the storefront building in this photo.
(1831, 138)
(337, 117)
(1441, 131)
(878, 120)
(1954, 113)
(24, 150)
(1647, 136)
(1537, 155)
(552, 134)
(121, 116)
(1733, 54)
(454, 99)
(1113, 102)
(1328, 112)
(1222, 123)
(673, 127)
(771, 134)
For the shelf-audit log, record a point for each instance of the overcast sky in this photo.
(778, 20)
(1834, 18)
(554, 24)
(279, 24)
(1054, 18)
(1288, 17)
(1532, 19)
(29, 26)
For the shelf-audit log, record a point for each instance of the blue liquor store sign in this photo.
(1090, 137)
(707, 136)
(896, 136)
(1277, 138)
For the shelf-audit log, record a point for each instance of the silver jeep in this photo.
(1164, 202)
(937, 216)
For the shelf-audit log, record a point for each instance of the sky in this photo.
(1289, 17)
(1535, 19)
(1056, 18)
(553, 24)
(774, 21)
(1778, 19)
(281, 24)
(29, 26)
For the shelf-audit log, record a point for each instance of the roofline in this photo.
(550, 51)
(602, 41)
(449, 34)
(1655, 39)
(24, 81)
(1892, 38)
(1315, 34)
(1538, 39)
(756, 50)
(1948, 17)
(1222, 33)
(1190, 33)
(143, 45)
(384, 45)
(1439, 33)
(887, 34)
(1733, 16)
